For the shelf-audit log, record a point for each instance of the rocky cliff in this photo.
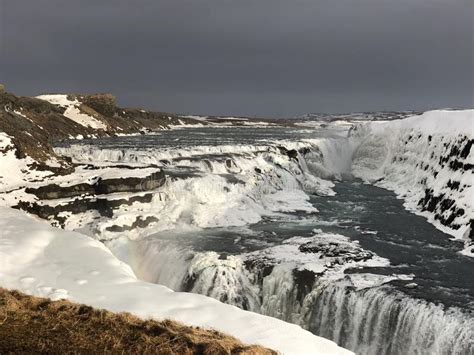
(33, 124)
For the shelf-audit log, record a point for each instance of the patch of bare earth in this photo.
(38, 325)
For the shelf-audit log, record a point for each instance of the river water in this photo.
(429, 309)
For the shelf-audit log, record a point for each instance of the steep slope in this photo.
(29, 127)
(34, 123)
(429, 162)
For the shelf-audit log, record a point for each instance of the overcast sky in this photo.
(244, 57)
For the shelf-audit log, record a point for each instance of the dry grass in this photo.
(37, 325)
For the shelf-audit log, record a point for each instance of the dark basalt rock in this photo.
(232, 179)
(101, 187)
(304, 150)
(453, 185)
(189, 282)
(304, 281)
(292, 154)
(282, 149)
(104, 104)
(139, 222)
(259, 266)
(32, 135)
(441, 206)
(54, 191)
(229, 163)
(444, 207)
(103, 206)
(466, 149)
(344, 252)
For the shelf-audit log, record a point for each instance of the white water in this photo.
(384, 321)
(223, 187)
(371, 321)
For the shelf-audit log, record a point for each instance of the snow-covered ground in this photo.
(43, 261)
(14, 171)
(73, 111)
(428, 161)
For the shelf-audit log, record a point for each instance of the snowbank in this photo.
(428, 161)
(15, 172)
(73, 111)
(43, 261)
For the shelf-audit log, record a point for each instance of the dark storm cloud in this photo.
(264, 57)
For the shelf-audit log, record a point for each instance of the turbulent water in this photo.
(341, 258)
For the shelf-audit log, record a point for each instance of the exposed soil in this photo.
(38, 325)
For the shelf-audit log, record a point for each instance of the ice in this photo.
(56, 263)
(426, 160)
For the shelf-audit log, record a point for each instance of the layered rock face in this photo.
(34, 123)
(32, 172)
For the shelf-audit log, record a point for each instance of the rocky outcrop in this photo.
(105, 104)
(35, 124)
(102, 206)
(56, 202)
(140, 222)
(100, 187)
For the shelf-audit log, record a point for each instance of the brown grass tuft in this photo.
(38, 325)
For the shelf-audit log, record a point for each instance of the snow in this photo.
(22, 115)
(405, 156)
(422, 157)
(447, 122)
(198, 118)
(83, 174)
(43, 261)
(233, 118)
(328, 266)
(73, 111)
(15, 172)
(366, 280)
(222, 190)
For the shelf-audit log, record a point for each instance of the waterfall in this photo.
(207, 273)
(375, 320)
(382, 320)
(225, 186)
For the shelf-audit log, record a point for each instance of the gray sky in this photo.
(247, 57)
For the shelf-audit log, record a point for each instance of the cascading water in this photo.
(267, 187)
(385, 321)
(372, 320)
